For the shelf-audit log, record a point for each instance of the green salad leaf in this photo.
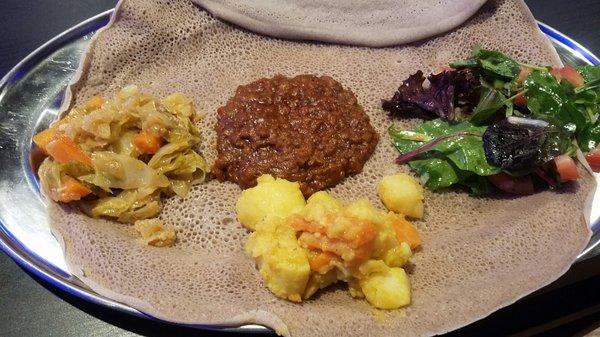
(589, 138)
(590, 73)
(490, 102)
(547, 99)
(530, 114)
(450, 161)
(493, 63)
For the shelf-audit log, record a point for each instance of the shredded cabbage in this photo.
(126, 183)
(112, 170)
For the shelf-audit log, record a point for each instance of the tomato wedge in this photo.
(593, 158)
(520, 100)
(566, 168)
(570, 74)
(515, 185)
(556, 73)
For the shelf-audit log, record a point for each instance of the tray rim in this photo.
(37, 265)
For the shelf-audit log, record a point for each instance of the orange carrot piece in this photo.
(367, 233)
(63, 149)
(406, 232)
(320, 260)
(94, 103)
(43, 138)
(147, 143)
(72, 189)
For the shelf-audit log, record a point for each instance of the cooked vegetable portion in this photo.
(271, 197)
(498, 115)
(155, 233)
(301, 248)
(117, 157)
(401, 193)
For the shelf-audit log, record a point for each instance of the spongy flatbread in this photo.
(365, 23)
(479, 254)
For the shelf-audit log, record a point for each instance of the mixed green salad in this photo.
(493, 121)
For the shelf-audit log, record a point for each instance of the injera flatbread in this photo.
(479, 254)
(375, 23)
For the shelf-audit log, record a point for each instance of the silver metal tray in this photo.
(30, 96)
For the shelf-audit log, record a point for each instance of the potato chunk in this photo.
(155, 233)
(389, 289)
(282, 263)
(320, 204)
(269, 198)
(402, 193)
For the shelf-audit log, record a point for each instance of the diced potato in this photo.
(320, 204)
(319, 281)
(387, 290)
(155, 233)
(402, 193)
(372, 267)
(323, 242)
(398, 256)
(363, 209)
(270, 198)
(283, 264)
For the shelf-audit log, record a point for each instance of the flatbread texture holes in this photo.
(364, 23)
(479, 254)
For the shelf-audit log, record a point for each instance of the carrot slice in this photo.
(71, 190)
(94, 103)
(147, 143)
(63, 149)
(320, 260)
(43, 138)
(367, 233)
(406, 232)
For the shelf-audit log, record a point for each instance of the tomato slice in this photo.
(593, 158)
(520, 100)
(566, 168)
(570, 74)
(556, 73)
(515, 185)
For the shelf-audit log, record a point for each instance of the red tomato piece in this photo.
(520, 100)
(566, 168)
(593, 158)
(570, 74)
(556, 73)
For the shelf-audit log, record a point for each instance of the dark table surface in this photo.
(28, 307)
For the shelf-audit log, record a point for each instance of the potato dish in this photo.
(303, 246)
